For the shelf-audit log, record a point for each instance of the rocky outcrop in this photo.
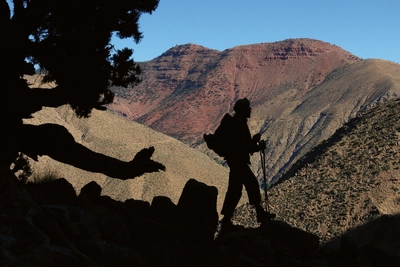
(301, 49)
(198, 212)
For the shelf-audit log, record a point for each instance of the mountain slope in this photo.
(187, 90)
(115, 136)
(344, 93)
(301, 91)
(348, 180)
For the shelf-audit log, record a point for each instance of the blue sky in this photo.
(368, 29)
(365, 28)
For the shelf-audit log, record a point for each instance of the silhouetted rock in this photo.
(91, 191)
(164, 210)
(303, 244)
(348, 248)
(379, 257)
(59, 191)
(106, 232)
(138, 208)
(267, 247)
(197, 208)
(106, 254)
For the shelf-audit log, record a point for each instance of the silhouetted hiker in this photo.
(236, 145)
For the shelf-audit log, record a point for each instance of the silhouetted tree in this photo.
(70, 40)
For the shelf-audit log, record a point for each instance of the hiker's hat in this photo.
(241, 104)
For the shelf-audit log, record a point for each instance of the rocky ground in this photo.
(347, 181)
(47, 224)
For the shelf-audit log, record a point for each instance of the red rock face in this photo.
(186, 91)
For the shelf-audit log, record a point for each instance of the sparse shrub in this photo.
(376, 171)
(385, 167)
(46, 176)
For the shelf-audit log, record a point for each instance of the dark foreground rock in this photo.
(48, 225)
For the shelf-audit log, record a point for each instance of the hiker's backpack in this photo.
(219, 141)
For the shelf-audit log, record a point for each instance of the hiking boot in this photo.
(263, 215)
(227, 226)
(270, 215)
(267, 219)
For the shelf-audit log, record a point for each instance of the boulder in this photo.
(59, 191)
(197, 208)
(91, 191)
(164, 210)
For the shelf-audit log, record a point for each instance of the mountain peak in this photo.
(185, 49)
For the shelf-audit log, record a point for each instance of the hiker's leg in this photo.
(253, 191)
(234, 192)
(252, 186)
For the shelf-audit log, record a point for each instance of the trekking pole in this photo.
(262, 156)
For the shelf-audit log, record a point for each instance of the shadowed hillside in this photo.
(348, 180)
(63, 229)
(47, 224)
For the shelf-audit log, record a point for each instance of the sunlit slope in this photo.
(349, 180)
(118, 137)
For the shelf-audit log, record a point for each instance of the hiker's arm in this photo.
(257, 144)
